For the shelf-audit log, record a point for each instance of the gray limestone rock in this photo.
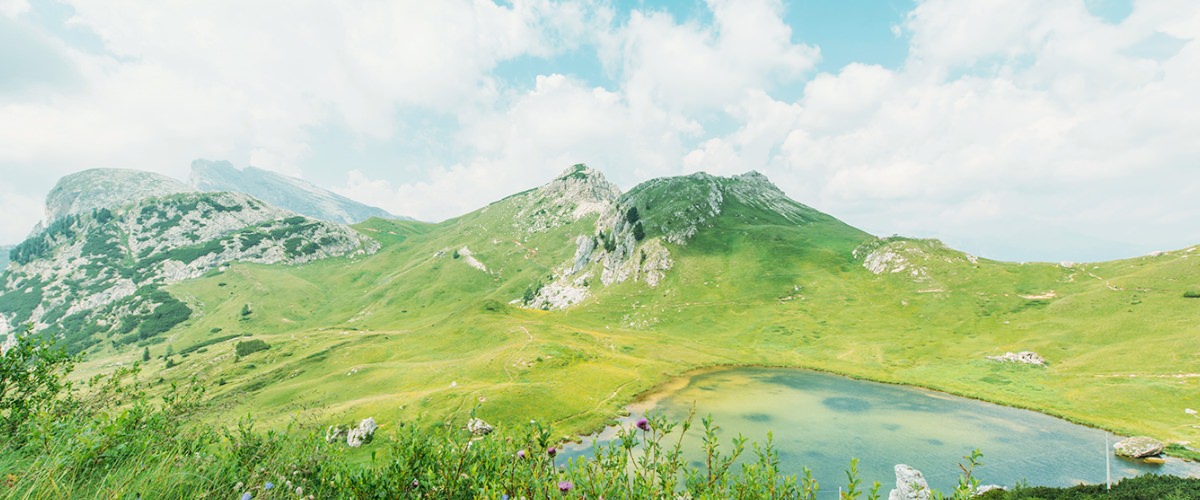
(1138, 447)
(910, 484)
(361, 434)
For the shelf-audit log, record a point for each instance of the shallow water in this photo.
(822, 421)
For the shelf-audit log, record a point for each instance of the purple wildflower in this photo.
(269, 485)
(643, 424)
(551, 451)
(565, 486)
(521, 454)
(246, 496)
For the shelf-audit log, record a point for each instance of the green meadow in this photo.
(415, 332)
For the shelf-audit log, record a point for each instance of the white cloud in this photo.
(18, 216)
(692, 68)
(1039, 112)
(13, 8)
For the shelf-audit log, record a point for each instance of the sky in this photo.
(1012, 129)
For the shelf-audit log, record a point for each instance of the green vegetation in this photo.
(117, 443)
(424, 337)
(251, 346)
(1191, 294)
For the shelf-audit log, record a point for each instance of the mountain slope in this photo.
(285, 192)
(98, 275)
(563, 303)
(88, 190)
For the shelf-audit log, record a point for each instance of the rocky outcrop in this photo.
(468, 257)
(576, 193)
(910, 484)
(362, 433)
(83, 192)
(1138, 447)
(477, 427)
(1026, 357)
(908, 257)
(101, 268)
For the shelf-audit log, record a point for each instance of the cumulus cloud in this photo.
(1034, 111)
(1080, 130)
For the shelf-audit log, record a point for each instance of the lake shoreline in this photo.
(659, 390)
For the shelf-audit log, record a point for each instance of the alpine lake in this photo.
(822, 421)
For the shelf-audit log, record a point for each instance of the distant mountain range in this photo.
(282, 191)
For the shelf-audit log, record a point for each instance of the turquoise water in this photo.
(822, 421)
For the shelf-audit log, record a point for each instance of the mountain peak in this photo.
(294, 194)
(87, 190)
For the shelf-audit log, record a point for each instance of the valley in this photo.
(546, 305)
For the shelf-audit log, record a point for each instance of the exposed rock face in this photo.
(633, 230)
(361, 434)
(576, 193)
(478, 427)
(335, 433)
(910, 484)
(1138, 447)
(100, 268)
(85, 191)
(1027, 357)
(282, 191)
(465, 254)
(908, 257)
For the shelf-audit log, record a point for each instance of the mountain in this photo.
(4, 250)
(566, 301)
(282, 191)
(96, 271)
(88, 190)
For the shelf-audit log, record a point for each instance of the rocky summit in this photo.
(96, 271)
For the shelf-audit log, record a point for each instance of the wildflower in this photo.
(521, 454)
(643, 424)
(416, 484)
(551, 451)
(246, 496)
(565, 486)
(299, 491)
(268, 486)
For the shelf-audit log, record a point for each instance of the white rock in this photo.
(478, 427)
(361, 434)
(910, 484)
(1027, 357)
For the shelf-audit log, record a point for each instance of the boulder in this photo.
(335, 433)
(361, 434)
(1138, 447)
(910, 485)
(478, 427)
(1027, 357)
(986, 488)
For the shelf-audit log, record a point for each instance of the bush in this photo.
(1191, 294)
(248, 347)
(32, 374)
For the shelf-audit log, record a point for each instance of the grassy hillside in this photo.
(432, 326)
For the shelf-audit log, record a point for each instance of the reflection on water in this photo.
(822, 421)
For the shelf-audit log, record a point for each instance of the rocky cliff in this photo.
(96, 270)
